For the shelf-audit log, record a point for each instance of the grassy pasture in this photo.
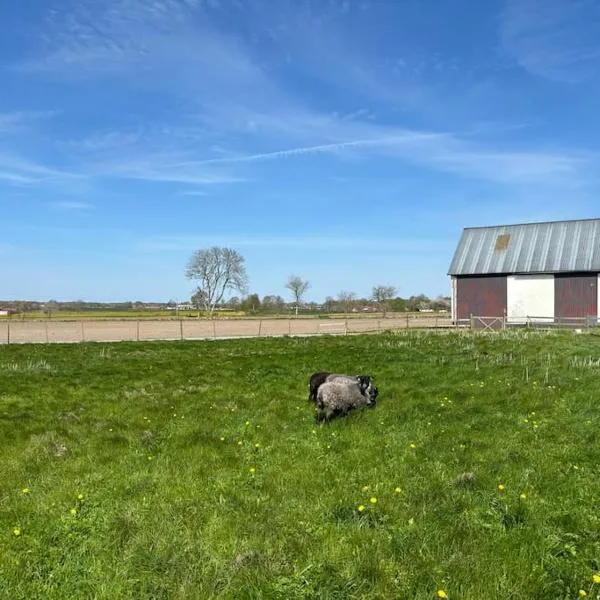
(195, 470)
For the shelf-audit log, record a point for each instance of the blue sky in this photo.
(348, 142)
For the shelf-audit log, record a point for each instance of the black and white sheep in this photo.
(337, 398)
(319, 378)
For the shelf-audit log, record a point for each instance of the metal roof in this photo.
(552, 247)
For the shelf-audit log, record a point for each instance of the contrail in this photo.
(322, 148)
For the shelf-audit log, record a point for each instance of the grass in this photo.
(195, 470)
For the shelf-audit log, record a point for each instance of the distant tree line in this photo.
(222, 284)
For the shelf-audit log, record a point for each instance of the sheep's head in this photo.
(368, 389)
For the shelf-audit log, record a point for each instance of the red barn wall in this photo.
(480, 296)
(576, 295)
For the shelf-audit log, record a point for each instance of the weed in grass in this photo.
(244, 498)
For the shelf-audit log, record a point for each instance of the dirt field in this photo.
(49, 331)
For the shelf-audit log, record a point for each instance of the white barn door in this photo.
(530, 296)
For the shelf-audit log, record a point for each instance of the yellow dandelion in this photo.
(150, 458)
(361, 508)
(252, 470)
(398, 490)
(596, 578)
(80, 496)
(73, 511)
(240, 443)
(25, 491)
(222, 438)
(373, 500)
(247, 422)
(523, 496)
(413, 446)
(16, 532)
(582, 593)
(441, 594)
(257, 445)
(501, 487)
(365, 488)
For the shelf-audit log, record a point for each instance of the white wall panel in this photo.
(530, 296)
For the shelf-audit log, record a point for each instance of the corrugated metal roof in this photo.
(550, 247)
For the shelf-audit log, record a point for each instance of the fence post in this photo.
(259, 327)
(346, 326)
(214, 330)
(407, 321)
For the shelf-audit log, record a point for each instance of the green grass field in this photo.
(196, 470)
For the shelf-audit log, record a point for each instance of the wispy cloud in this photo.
(16, 121)
(555, 39)
(174, 45)
(67, 205)
(20, 171)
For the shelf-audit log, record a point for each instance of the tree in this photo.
(398, 304)
(298, 288)
(51, 307)
(382, 294)
(234, 303)
(273, 303)
(217, 270)
(329, 304)
(251, 303)
(197, 299)
(416, 303)
(346, 299)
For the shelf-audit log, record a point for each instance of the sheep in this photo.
(338, 398)
(317, 379)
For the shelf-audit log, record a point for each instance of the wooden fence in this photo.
(113, 330)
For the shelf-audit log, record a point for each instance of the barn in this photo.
(544, 272)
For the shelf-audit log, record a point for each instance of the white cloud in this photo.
(240, 111)
(72, 205)
(17, 121)
(17, 170)
(554, 39)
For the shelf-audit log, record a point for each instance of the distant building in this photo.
(535, 271)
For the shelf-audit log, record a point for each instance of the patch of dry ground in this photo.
(19, 332)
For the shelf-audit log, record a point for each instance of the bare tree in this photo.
(382, 294)
(346, 299)
(298, 288)
(217, 270)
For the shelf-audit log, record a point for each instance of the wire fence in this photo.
(113, 330)
(533, 322)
